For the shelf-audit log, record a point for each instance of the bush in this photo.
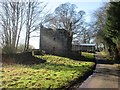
(8, 50)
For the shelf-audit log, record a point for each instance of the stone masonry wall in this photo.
(54, 41)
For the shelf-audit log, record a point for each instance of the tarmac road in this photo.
(106, 75)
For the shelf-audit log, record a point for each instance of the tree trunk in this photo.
(118, 53)
(69, 43)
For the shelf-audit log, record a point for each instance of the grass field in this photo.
(55, 73)
(106, 55)
(88, 56)
(119, 66)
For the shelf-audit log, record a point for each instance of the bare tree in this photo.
(66, 17)
(11, 21)
(16, 15)
(33, 14)
(100, 24)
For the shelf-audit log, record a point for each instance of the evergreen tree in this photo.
(113, 28)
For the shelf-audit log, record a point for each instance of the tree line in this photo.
(17, 18)
(108, 28)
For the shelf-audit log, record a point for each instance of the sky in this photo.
(89, 6)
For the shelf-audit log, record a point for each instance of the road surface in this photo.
(106, 75)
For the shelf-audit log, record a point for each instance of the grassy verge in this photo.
(55, 73)
(85, 56)
(106, 55)
(88, 55)
(119, 66)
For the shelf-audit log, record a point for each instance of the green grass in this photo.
(106, 55)
(88, 55)
(119, 66)
(55, 73)
(103, 53)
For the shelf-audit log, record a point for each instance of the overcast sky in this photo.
(89, 6)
